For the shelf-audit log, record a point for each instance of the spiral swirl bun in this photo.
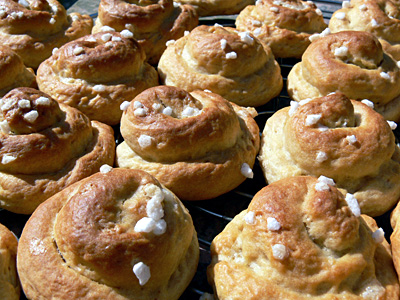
(13, 72)
(195, 144)
(234, 65)
(285, 26)
(380, 17)
(89, 241)
(297, 241)
(96, 73)
(9, 282)
(46, 146)
(33, 29)
(152, 22)
(216, 7)
(340, 138)
(351, 62)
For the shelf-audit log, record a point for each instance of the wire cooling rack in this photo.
(211, 216)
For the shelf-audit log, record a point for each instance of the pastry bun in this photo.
(46, 146)
(196, 144)
(220, 59)
(379, 17)
(152, 22)
(216, 7)
(13, 72)
(9, 282)
(299, 239)
(283, 25)
(340, 138)
(117, 234)
(351, 62)
(96, 73)
(34, 28)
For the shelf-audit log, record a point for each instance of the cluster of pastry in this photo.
(107, 219)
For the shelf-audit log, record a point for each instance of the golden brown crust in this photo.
(96, 73)
(203, 60)
(42, 155)
(327, 252)
(13, 72)
(216, 7)
(9, 282)
(349, 142)
(379, 17)
(284, 25)
(34, 31)
(152, 22)
(84, 241)
(198, 150)
(351, 62)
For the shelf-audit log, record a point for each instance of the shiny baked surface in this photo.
(287, 245)
(87, 241)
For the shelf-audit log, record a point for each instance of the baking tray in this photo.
(211, 216)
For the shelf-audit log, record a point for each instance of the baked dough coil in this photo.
(299, 241)
(284, 25)
(236, 66)
(152, 22)
(395, 237)
(339, 138)
(46, 146)
(13, 72)
(351, 62)
(96, 73)
(9, 281)
(381, 17)
(89, 241)
(195, 144)
(34, 28)
(216, 7)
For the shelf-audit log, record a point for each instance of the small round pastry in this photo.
(198, 145)
(216, 7)
(351, 62)
(380, 17)
(34, 28)
(299, 240)
(96, 73)
(116, 235)
(284, 25)
(9, 282)
(220, 59)
(340, 138)
(13, 72)
(45, 147)
(152, 22)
